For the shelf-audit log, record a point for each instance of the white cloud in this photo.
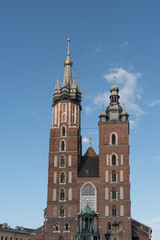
(132, 124)
(124, 44)
(102, 99)
(85, 140)
(154, 103)
(87, 110)
(128, 90)
(98, 49)
(157, 157)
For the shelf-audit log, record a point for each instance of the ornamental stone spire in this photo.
(67, 80)
(70, 88)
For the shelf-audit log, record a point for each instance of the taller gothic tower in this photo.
(64, 157)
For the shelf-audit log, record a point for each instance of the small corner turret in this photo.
(69, 89)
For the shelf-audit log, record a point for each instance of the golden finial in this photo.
(68, 40)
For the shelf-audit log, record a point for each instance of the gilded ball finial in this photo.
(68, 40)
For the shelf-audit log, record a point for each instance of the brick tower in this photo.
(114, 188)
(64, 156)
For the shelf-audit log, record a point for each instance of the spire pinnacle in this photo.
(114, 79)
(68, 61)
(90, 144)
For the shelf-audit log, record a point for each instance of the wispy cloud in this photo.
(87, 110)
(124, 44)
(128, 90)
(157, 157)
(154, 103)
(85, 140)
(98, 49)
(132, 124)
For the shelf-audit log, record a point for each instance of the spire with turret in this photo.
(70, 88)
(114, 111)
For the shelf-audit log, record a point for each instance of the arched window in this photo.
(121, 176)
(109, 227)
(106, 176)
(64, 108)
(113, 139)
(69, 161)
(63, 145)
(61, 211)
(70, 194)
(69, 211)
(121, 193)
(64, 112)
(121, 210)
(106, 193)
(114, 211)
(62, 194)
(66, 227)
(62, 161)
(114, 177)
(107, 160)
(88, 191)
(120, 227)
(73, 114)
(54, 211)
(113, 160)
(70, 177)
(56, 228)
(107, 211)
(62, 177)
(54, 194)
(55, 161)
(113, 193)
(63, 131)
(55, 177)
(55, 115)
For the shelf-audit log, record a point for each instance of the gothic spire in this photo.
(67, 80)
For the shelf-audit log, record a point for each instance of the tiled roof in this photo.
(89, 166)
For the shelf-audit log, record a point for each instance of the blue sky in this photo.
(107, 38)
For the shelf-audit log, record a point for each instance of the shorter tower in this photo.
(114, 203)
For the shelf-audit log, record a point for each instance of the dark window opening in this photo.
(113, 160)
(113, 139)
(113, 193)
(62, 178)
(62, 194)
